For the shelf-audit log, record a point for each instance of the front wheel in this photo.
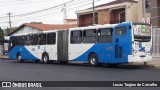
(93, 60)
(19, 58)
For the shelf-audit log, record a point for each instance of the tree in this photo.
(1, 34)
(36, 22)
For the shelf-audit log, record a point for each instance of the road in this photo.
(29, 71)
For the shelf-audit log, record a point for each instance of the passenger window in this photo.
(28, 40)
(35, 39)
(42, 39)
(121, 31)
(105, 35)
(23, 39)
(89, 36)
(76, 37)
(51, 38)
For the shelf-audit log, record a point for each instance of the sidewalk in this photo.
(4, 57)
(155, 62)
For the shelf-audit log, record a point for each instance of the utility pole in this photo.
(64, 11)
(9, 14)
(93, 13)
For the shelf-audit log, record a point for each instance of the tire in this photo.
(45, 58)
(93, 60)
(19, 58)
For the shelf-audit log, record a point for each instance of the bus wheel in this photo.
(45, 58)
(93, 60)
(19, 58)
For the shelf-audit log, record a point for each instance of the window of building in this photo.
(42, 39)
(51, 38)
(105, 35)
(89, 36)
(121, 31)
(76, 37)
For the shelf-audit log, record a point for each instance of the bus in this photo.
(110, 44)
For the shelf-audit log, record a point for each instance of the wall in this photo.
(103, 17)
(156, 42)
(132, 12)
(142, 11)
(26, 29)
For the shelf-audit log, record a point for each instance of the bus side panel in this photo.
(23, 51)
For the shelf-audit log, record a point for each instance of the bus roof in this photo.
(95, 27)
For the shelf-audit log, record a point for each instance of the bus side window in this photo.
(23, 40)
(76, 37)
(42, 39)
(28, 40)
(89, 36)
(105, 35)
(34, 39)
(51, 38)
(121, 31)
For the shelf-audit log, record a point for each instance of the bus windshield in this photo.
(142, 32)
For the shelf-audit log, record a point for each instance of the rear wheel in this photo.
(19, 58)
(93, 60)
(45, 58)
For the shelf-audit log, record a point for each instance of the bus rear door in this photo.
(120, 44)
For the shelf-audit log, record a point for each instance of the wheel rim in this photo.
(45, 58)
(19, 57)
(93, 60)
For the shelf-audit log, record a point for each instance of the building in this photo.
(71, 21)
(110, 13)
(150, 10)
(37, 28)
(34, 28)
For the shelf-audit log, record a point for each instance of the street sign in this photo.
(146, 20)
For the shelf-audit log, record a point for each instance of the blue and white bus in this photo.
(111, 44)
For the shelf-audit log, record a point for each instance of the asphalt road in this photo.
(29, 71)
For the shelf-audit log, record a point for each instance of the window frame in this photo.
(104, 36)
(80, 37)
(49, 38)
(122, 34)
(42, 41)
(89, 37)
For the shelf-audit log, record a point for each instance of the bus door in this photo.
(120, 43)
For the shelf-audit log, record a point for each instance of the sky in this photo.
(25, 11)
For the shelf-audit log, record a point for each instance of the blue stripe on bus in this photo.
(24, 53)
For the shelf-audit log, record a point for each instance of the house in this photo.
(36, 28)
(70, 21)
(110, 13)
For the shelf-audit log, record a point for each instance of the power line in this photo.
(69, 4)
(39, 10)
(8, 3)
(57, 11)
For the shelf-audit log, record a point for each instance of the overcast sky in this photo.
(51, 16)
